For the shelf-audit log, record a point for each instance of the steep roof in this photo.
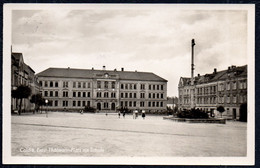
(231, 72)
(89, 73)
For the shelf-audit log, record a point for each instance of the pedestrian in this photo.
(119, 114)
(143, 114)
(81, 111)
(134, 115)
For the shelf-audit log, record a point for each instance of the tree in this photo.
(38, 100)
(220, 109)
(22, 92)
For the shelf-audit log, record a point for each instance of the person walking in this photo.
(119, 114)
(134, 114)
(143, 114)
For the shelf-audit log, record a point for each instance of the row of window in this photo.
(221, 99)
(142, 104)
(65, 84)
(106, 94)
(142, 86)
(79, 103)
(81, 94)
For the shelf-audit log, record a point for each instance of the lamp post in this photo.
(46, 101)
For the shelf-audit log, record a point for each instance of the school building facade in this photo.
(106, 90)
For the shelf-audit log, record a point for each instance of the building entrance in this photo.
(113, 106)
(99, 106)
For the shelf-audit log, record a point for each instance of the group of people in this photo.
(135, 114)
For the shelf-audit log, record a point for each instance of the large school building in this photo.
(106, 90)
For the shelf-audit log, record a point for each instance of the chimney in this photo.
(122, 69)
(215, 70)
(104, 68)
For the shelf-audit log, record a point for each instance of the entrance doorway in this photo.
(234, 114)
(113, 106)
(99, 106)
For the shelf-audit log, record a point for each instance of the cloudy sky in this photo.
(152, 40)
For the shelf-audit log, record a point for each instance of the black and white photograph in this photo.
(160, 84)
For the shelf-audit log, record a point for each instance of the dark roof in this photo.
(89, 74)
(231, 72)
(17, 56)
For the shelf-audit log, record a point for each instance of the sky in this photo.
(154, 40)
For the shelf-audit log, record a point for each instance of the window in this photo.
(142, 86)
(122, 86)
(56, 103)
(234, 85)
(158, 87)
(98, 94)
(113, 85)
(122, 104)
(161, 87)
(74, 84)
(142, 95)
(157, 104)
(65, 84)
(161, 104)
(126, 86)
(106, 94)
(150, 87)
(65, 94)
(105, 105)
(153, 104)
(130, 104)
(153, 95)
(40, 83)
(65, 103)
(79, 103)
(106, 84)
(56, 94)
(88, 85)
(134, 86)
(126, 95)
(228, 86)
(158, 95)
(134, 95)
(234, 99)
(46, 93)
(122, 95)
(88, 103)
(84, 85)
(149, 104)
(46, 83)
(130, 86)
(126, 103)
(79, 84)
(130, 95)
(113, 94)
(84, 94)
(56, 84)
(150, 95)
(153, 87)
(134, 103)
(83, 103)
(161, 95)
(79, 94)
(51, 93)
(74, 94)
(74, 103)
(99, 84)
(88, 94)
(141, 104)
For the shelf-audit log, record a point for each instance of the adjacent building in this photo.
(227, 88)
(22, 74)
(105, 90)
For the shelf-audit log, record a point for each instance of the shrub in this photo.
(193, 113)
(89, 109)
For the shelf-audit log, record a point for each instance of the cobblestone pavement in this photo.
(74, 134)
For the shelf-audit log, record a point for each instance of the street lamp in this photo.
(46, 101)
